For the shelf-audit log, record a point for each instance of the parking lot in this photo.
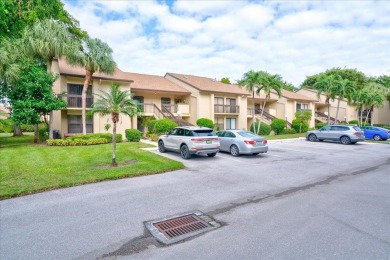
(270, 205)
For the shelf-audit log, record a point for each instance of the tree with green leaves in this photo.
(327, 85)
(303, 116)
(15, 15)
(344, 89)
(226, 80)
(114, 103)
(32, 96)
(249, 81)
(47, 40)
(94, 56)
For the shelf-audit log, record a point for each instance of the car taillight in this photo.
(357, 133)
(265, 141)
(249, 142)
(197, 140)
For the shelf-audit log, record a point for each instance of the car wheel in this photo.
(377, 137)
(211, 154)
(234, 150)
(345, 140)
(255, 153)
(161, 147)
(312, 138)
(321, 140)
(184, 152)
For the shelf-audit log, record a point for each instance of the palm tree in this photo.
(327, 84)
(114, 103)
(48, 39)
(249, 81)
(267, 83)
(345, 88)
(94, 56)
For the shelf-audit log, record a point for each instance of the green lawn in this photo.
(276, 137)
(29, 168)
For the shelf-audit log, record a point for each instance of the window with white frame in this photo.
(218, 121)
(301, 106)
(218, 105)
(230, 123)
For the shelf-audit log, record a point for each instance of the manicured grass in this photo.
(276, 137)
(27, 168)
(378, 142)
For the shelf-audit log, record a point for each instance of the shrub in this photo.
(296, 124)
(264, 128)
(383, 126)
(319, 125)
(106, 136)
(154, 137)
(43, 132)
(6, 125)
(288, 131)
(151, 124)
(164, 125)
(205, 122)
(353, 122)
(278, 125)
(27, 128)
(133, 135)
(76, 142)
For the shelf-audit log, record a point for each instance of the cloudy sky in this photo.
(227, 38)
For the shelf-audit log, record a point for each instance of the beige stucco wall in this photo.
(382, 115)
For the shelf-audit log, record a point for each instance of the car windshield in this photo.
(247, 134)
(357, 128)
(204, 133)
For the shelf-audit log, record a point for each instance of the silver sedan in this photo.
(241, 142)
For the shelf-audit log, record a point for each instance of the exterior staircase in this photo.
(267, 117)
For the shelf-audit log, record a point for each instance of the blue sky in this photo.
(227, 38)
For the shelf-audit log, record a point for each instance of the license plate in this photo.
(208, 142)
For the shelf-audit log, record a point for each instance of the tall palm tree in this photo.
(114, 103)
(327, 84)
(249, 81)
(48, 39)
(345, 88)
(94, 56)
(268, 83)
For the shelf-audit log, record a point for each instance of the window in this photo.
(221, 133)
(179, 132)
(302, 106)
(75, 125)
(166, 102)
(203, 133)
(230, 123)
(139, 99)
(230, 134)
(218, 105)
(218, 121)
(74, 95)
(231, 105)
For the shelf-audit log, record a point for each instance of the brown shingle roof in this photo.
(154, 83)
(209, 84)
(78, 71)
(295, 96)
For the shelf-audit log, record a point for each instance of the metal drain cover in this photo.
(172, 229)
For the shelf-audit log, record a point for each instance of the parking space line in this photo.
(275, 155)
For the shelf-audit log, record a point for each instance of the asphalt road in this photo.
(301, 200)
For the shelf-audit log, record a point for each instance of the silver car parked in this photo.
(346, 134)
(242, 142)
(189, 140)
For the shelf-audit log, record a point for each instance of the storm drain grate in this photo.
(181, 226)
(176, 228)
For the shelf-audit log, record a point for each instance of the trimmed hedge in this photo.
(319, 125)
(133, 135)
(296, 124)
(154, 137)
(43, 132)
(164, 125)
(106, 136)
(264, 128)
(288, 131)
(151, 124)
(353, 122)
(205, 122)
(76, 142)
(278, 125)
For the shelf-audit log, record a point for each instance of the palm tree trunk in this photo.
(337, 112)
(328, 113)
(261, 116)
(49, 63)
(35, 133)
(88, 77)
(113, 163)
(361, 115)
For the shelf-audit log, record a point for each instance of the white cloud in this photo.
(227, 38)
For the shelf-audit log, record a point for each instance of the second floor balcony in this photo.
(75, 101)
(226, 109)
